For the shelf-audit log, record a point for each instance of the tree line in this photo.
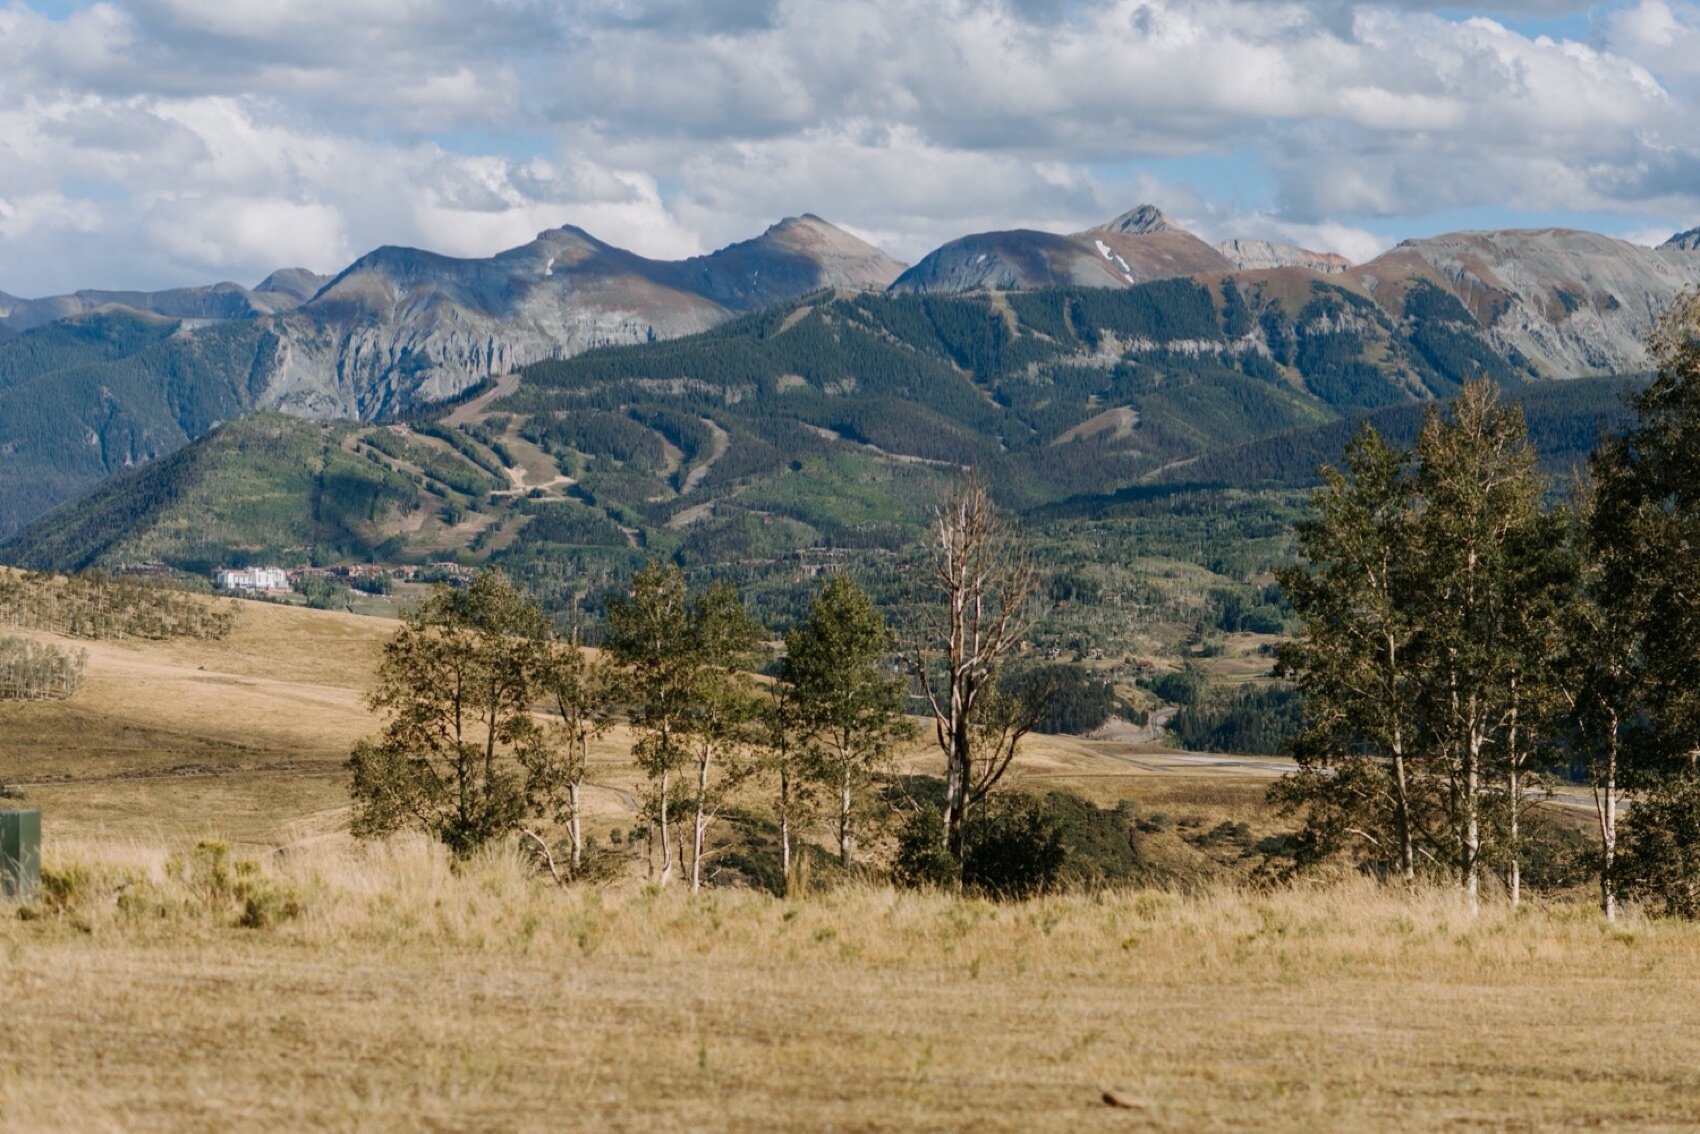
(1468, 637)
(491, 716)
(102, 607)
(1466, 640)
(32, 671)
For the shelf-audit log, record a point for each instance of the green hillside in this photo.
(828, 423)
(83, 399)
(1566, 420)
(1054, 392)
(1157, 455)
(267, 488)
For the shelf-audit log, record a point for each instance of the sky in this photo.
(157, 143)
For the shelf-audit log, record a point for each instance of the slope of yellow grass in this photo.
(408, 995)
(244, 740)
(235, 736)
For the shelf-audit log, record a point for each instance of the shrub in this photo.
(236, 890)
(1012, 848)
(922, 859)
(1661, 848)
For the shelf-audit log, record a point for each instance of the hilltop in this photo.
(831, 421)
(991, 346)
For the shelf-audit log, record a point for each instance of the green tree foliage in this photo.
(1250, 720)
(922, 859)
(1013, 848)
(646, 636)
(1075, 700)
(1636, 642)
(840, 693)
(1661, 839)
(1480, 539)
(456, 687)
(582, 691)
(1425, 624)
(694, 704)
(101, 607)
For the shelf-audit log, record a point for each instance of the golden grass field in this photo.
(407, 995)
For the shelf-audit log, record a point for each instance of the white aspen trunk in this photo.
(1402, 811)
(1608, 881)
(575, 826)
(1515, 880)
(846, 840)
(666, 832)
(1514, 785)
(1402, 790)
(1606, 801)
(785, 851)
(701, 822)
(696, 852)
(785, 829)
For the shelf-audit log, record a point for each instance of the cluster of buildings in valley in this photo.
(279, 580)
(252, 580)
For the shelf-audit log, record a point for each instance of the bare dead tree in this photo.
(984, 582)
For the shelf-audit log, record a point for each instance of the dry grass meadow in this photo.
(385, 990)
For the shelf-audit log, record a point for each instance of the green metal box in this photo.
(20, 854)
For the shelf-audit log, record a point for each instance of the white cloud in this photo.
(145, 142)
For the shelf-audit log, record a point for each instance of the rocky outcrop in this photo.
(401, 327)
(1571, 303)
(1684, 241)
(295, 285)
(1255, 255)
(794, 257)
(1139, 221)
(281, 291)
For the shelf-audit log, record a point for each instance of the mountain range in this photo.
(99, 382)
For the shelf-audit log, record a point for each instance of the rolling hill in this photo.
(1071, 364)
(828, 423)
(84, 399)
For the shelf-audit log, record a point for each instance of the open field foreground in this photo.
(405, 996)
(379, 989)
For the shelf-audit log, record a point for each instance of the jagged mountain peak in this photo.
(1139, 221)
(1685, 241)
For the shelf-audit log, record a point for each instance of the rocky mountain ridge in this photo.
(1139, 246)
(1566, 302)
(1572, 303)
(401, 329)
(281, 291)
(1254, 255)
